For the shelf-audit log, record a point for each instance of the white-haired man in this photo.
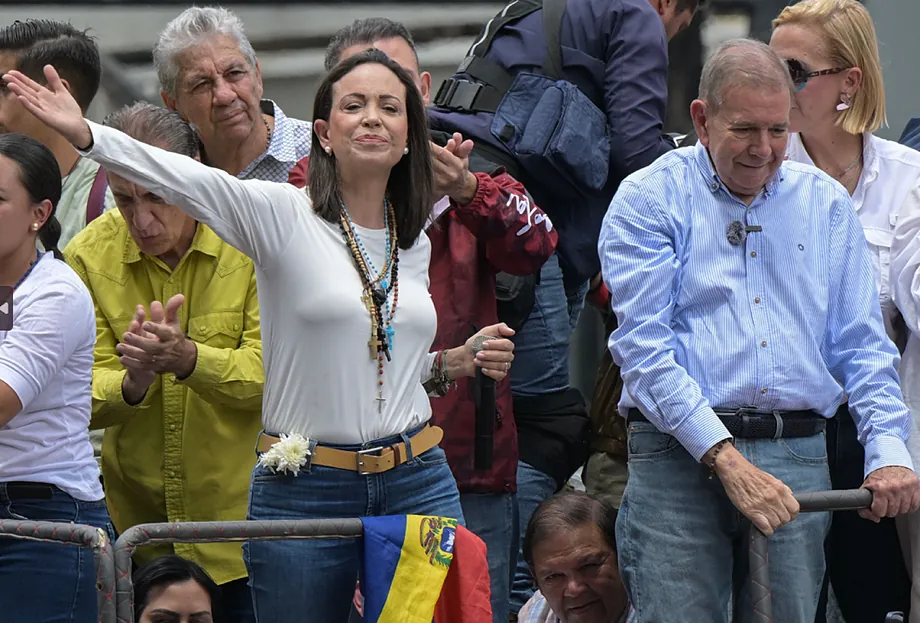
(209, 74)
(747, 306)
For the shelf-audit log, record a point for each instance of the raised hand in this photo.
(52, 105)
(452, 170)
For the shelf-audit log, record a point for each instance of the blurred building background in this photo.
(290, 37)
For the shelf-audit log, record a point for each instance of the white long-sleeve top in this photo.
(320, 380)
(905, 278)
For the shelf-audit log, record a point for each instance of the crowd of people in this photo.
(407, 244)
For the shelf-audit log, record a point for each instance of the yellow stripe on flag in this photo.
(427, 551)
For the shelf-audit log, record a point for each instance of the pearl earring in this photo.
(328, 150)
(406, 151)
(844, 103)
(35, 226)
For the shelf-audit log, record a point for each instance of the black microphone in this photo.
(737, 232)
(485, 412)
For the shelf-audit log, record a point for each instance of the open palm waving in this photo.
(53, 105)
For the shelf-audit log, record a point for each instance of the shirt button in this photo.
(236, 327)
(756, 299)
(764, 343)
(763, 391)
(172, 473)
(202, 328)
(715, 186)
(753, 253)
(172, 427)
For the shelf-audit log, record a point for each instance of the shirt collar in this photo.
(283, 145)
(205, 241)
(714, 182)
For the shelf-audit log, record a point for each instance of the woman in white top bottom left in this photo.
(47, 334)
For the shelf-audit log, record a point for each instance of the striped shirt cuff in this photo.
(886, 451)
(700, 431)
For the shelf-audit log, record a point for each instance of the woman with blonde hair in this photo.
(832, 53)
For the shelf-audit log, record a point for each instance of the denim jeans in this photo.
(533, 488)
(684, 547)
(541, 347)
(49, 582)
(314, 579)
(493, 517)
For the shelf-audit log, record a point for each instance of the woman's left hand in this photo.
(495, 357)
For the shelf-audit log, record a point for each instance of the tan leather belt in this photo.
(370, 461)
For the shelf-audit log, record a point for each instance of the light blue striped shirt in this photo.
(787, 321)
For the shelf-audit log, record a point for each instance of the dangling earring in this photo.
(406, 151)
(844, 103)
(34, 226)
(328, 150)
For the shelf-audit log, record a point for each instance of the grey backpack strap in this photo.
(553, 11)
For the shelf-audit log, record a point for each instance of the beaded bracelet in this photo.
(718, 448)
(439, 383)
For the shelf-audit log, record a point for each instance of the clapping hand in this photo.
(161, 346)
(452, 170)
(52, 105)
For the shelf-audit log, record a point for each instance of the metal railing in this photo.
(214, 531)
(818, 502)
(78, 535)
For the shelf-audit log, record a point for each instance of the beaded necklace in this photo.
(376, 288)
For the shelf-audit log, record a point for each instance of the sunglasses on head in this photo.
(801, 76)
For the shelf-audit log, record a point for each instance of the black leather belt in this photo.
(756, 425)
(28, 490)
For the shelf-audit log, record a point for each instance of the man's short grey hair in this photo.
(156, 126)
(742, 62)
(190, 28)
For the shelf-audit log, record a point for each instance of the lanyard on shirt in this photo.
(38, 258)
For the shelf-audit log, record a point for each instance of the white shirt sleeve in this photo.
(41, 341)
(905, 261)
(254, 216)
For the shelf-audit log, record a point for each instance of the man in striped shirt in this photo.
(747, 307)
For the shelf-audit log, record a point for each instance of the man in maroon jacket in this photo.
(482, 223)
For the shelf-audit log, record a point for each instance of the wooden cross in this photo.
(374, 344)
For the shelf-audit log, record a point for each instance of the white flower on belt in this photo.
(287, 455)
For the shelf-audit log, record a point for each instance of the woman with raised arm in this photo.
(347, 321)
(832, 53)
(47, 334)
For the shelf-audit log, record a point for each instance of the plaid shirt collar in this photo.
(290, 142)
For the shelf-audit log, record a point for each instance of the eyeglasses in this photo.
(800, 76)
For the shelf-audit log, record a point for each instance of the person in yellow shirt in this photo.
(178, 387)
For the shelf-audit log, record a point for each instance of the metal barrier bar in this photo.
(215, 531)
(80, 535)
(817, 502)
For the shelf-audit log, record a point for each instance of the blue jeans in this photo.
(237, 600)
(541, 347)
(683, 547)
(533, 488)
(49, 582)
(314, 579)
(493, 517)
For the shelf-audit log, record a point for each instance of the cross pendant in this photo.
(367, 299)
(380, 400)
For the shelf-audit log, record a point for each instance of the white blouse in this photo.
(320, 380)
(890, 172)
(47, 360)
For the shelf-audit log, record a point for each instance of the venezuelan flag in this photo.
(404, 561)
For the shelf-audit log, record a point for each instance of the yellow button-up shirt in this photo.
(186, 452)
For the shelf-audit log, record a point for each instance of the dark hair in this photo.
(566, 510)
(74, 54)
(166, 571)
(40, 174)
(411, 183)
(366, 32)
(156, 125)
(692, 5)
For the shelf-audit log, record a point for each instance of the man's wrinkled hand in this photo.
(452, 174)
(895, 491)
(165, 348)
(760, 497)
